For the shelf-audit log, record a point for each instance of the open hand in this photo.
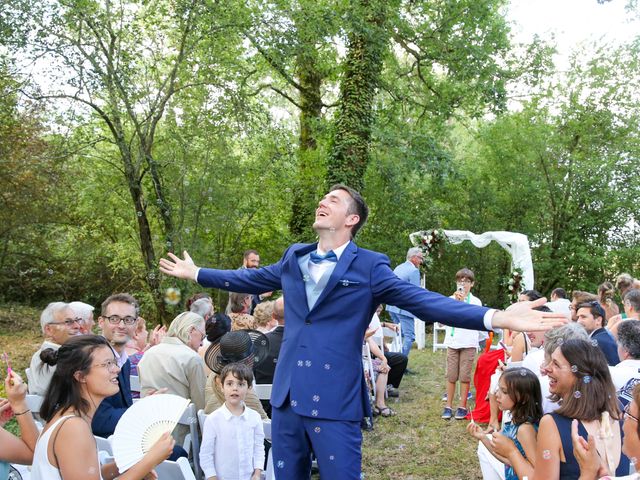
(162, 448)
(521, 317)
(586, 454)
(177, 267)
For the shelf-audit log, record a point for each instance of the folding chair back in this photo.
(192, 440)
(178, 470)
(263, 390)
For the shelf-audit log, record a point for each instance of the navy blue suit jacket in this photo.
(112, 408)
(320, 367)
(607, 344)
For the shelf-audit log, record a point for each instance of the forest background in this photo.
(129, 129)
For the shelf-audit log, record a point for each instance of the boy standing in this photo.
(462, 345)
(232, 436)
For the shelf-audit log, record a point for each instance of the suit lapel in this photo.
(348, 255)
(299, 284)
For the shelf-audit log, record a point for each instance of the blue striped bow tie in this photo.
(330, 257)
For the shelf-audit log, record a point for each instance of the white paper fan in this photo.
(143, 424)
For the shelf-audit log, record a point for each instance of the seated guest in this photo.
(265, 370)
(581, 383)
(16, 449)
(85, 312)
(203, 306)
(117, 321)
(586, 451)
(58, 322)
(174, 364)
(592, 317)
(518, 393)
(263, 316)
(631, 306)
(559, 302)
(605, 297)
(238, 310)
(397, 361)
(85, 374)
(249, 347)
(626, 374)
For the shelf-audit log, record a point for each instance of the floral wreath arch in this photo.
(516, 244)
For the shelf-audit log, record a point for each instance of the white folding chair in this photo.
(263, 390)
(437, 328)
(269, 474)
(266, 427)
(192, 440)
(396, 339)
(367, 364)
(104, 445)
(178, 470)
(134, 381)
(201, 418)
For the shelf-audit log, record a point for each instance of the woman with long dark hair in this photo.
(86, 373)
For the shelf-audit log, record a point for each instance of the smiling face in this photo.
(235, 390)
(333, 214)
(252, 261)
(561, 378)
(66, 324)
(503, 399)
(102, 379)
(118, 334)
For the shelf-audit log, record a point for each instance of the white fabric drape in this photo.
(516, 244)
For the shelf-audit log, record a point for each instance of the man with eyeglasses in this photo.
(58, 322)
(592, 317)
(117, 321)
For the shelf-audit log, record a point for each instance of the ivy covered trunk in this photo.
(349, 153)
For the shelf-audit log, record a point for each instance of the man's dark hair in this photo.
(120, 298)
(629, 337)
(357, 206)
(532, 295)
(596, 310)
(559, 292)
(246, 253)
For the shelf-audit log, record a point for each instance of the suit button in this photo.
(307, 322)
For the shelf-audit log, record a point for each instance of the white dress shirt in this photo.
(232, 446)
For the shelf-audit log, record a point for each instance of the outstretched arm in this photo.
(521, 317)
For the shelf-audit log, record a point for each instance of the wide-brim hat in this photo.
(249, 347)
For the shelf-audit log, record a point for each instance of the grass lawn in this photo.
(416, 444)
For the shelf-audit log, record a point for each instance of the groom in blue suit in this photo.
(331, 291)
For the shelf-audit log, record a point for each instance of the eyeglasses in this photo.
(202, 334)
(115, 320)
(110, 365)
(68, 322)
(627, 413)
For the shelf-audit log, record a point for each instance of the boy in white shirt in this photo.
(462, 345)
(232, 436)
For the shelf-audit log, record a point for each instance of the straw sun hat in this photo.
(249, 347)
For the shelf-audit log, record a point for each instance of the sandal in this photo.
(383, 412)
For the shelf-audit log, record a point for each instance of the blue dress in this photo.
(510, 430)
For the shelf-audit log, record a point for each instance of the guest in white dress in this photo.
(86, 373)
